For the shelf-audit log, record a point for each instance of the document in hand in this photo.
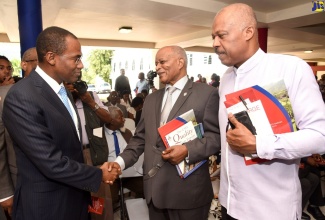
(178, 131)
(269, 109)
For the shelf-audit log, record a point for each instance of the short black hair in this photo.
(136, 102)
(4, 58)
(52, 39)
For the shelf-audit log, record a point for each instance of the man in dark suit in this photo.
(122, 84)
(169, 196)
(53, 182)
(8, 168)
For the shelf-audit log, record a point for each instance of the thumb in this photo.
(168, 150)
(233, 121)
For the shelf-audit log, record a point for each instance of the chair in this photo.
(135, 171)
(129, 124)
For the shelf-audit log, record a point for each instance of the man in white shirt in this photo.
(270, 190)
(141, 84)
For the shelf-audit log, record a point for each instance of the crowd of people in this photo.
(62, 148)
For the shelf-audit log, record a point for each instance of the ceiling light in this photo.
(308, 51)
(125, 29)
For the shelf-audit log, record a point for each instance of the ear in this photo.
(23, 65)
(50, 58)
(181, 63)
(249, 33)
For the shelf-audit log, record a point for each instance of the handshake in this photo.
(111, 171)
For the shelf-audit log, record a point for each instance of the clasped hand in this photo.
(175, 154)
(111, 171)
(240, 139)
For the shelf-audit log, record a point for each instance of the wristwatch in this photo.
(96, 107)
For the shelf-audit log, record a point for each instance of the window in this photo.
(210, 59)
(133, 65)
(126, 65)
(205, 61)
(191, 59)
(141, 64)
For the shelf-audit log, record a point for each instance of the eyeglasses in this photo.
(77, 59)
(30, 60)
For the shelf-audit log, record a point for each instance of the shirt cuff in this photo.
(4, 199)
(120, 161)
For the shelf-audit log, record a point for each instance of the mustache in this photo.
(218, 51)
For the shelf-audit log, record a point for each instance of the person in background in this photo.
(53, 182)
(215, 80)
(125, 100)
(137, 105)
(204, 80)
(113, 99)
(8, 167)
(122, 84)
(29, 61)
(200, 78)
(141, 84)
(135, 184)
(309, 175)
(144, 93)
(168, 196)
(5, 71)
(270, 190)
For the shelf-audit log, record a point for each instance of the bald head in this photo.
(29, 60)
(171, 64)
(240, 15)
(234, 32)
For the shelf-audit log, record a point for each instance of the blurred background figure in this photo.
(141, 84)
(122, 84)
(113, 100)
(29, 61)
(5, 71)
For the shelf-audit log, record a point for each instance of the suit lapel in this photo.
(160, 96)
(47, 92)
(183, 96)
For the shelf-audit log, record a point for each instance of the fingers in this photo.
(233, 120)
(111, 171)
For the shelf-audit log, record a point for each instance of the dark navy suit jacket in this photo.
(53, 182)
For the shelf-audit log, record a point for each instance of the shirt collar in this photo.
(179, 84)
(52, 83)
(249, 64)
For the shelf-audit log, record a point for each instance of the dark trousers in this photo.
(224, 214)
(200, 213)
(134, 184)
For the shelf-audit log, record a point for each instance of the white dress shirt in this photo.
(110, 142)
(271, 190)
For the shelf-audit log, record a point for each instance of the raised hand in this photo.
(111, 172)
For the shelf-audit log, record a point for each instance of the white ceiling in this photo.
(293, 26)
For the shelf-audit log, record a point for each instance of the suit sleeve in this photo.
(200, 149)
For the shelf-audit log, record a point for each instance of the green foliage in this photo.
(100, 65)
(16, 65)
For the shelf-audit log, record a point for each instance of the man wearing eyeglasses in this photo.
(29, 61)
(53, 181)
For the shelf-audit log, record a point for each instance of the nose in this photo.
(216, 42)
(80, 65)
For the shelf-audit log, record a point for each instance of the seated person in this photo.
(309, 176)
(136, 109)
(123, 135)
(144, 93)
(113, 100)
